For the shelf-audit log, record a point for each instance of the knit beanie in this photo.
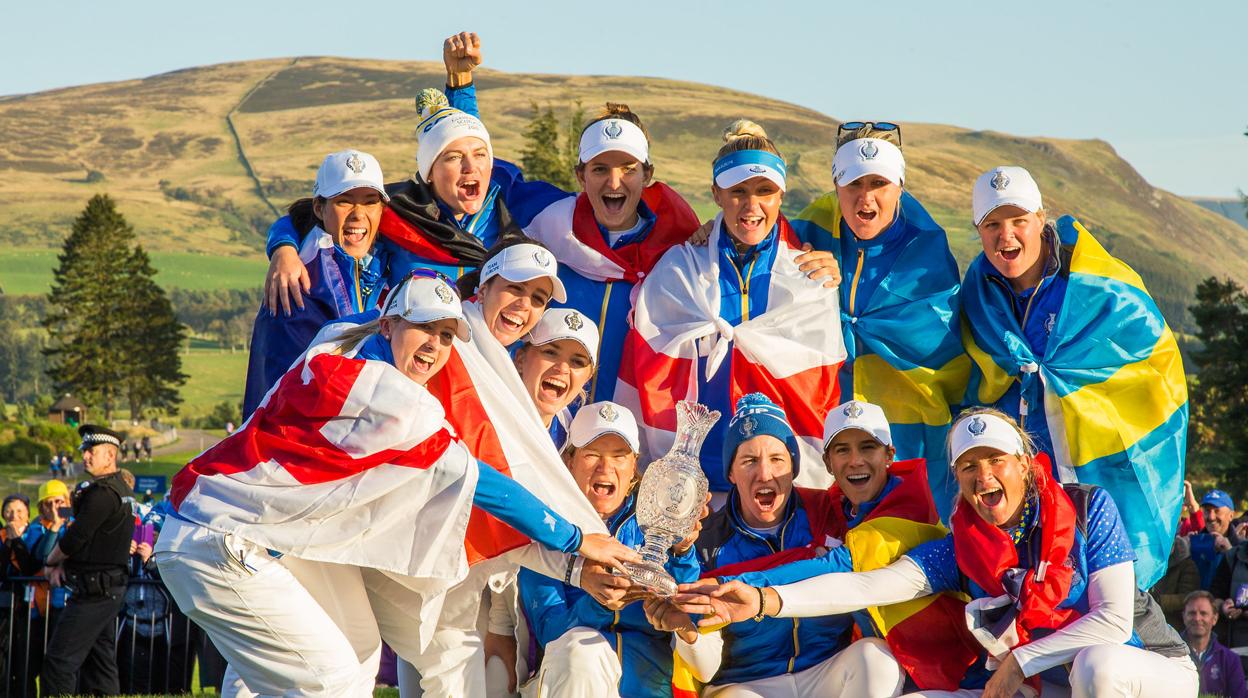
(440, 125)
(757, 415)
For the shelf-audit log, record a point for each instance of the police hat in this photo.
(93, 435)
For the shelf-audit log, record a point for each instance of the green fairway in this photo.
(215, 377)
(28, 271)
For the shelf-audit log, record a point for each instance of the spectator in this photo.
(1182, 578)
(1221, 673)
(1193, 520)
(147, 448)
(1210, 545)
(15, 628)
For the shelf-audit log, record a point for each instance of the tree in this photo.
(106, 319)
(544, 157)
(1218, 400)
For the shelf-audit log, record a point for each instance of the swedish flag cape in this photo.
(1111, 380)
(904, 349)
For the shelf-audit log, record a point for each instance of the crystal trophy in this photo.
(670, 498)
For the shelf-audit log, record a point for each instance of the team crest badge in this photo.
(999, 181)
(542, 258)
(976, 426)
(573, 321)
(757, 169)
(609, 413)
(613, 129)
(355, 163)
(444, 293)
(748, 427)
(853, 410)
(869, 150)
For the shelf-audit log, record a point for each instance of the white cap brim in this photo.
(1025, 203)
(993, 432)
(522, 275)
(357, 184)
(733, 176)
(827, 441)
(613, 135)
(462, 330)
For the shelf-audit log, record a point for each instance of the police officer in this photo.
(91, 560)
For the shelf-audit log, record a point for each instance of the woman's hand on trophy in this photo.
(666, 617)
(718, 604)
(683, 546)
(608, 589)
(605, 549)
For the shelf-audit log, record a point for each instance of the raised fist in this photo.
(461, 54)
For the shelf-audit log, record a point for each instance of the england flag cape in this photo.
(345, 461)
(791, 352)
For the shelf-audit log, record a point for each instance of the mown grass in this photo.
(28, 271)
(215, 376)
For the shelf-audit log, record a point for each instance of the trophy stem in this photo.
(649, 573)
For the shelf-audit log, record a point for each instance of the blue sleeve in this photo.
(282, 232)
(517, 507)
(545, 602)
(938, 563)
(526, 198)
(835, 560)
(685, 568)
(463, 98)
(1107, 537)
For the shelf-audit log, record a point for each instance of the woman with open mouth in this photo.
(350, 441)
(447, 215)
(1048, 568)
(591, 650)
(345, 267)
(735, 315)
(556, 361)
(899, 296)
(1066, 339)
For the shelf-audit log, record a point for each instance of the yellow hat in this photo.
(53, 488)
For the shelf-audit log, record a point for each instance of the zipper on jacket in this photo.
(602, 322)
(359, 298)
(853, 287)
(797, 645)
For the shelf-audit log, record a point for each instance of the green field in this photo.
(216, 376)
(28, 271)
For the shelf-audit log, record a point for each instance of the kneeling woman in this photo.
(735, 316)
(1049, 568)
(590, 650)
(349, 442)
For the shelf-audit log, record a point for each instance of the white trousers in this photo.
(865, 669)
(578, 663)
(1114, 671)
(454, 662)
(263, 620)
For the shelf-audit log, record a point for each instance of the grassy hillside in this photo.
(200, 158)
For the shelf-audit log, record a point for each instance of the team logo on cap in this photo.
(748, 427)
(869, 150)
(999, 181)
(853, 410)
(976, 426)
(355, 163)
(757, 169)
(444, 292)
(608, 413)
(492, 266)
(613, 129)
(573, 321)
(542, 258)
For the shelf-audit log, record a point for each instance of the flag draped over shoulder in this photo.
(903, 342)
(568, 228)
(1115, 395)
(345, 461)
(791, 352)
(277, 342)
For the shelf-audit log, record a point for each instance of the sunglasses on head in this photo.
(850, 126)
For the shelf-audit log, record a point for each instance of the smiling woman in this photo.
(555, 362)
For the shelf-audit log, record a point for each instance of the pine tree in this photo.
(106, 319)
(572, 143)
(541, 156)
(1218, 404)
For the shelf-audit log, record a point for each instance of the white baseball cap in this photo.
(565, 323)
(984, 429)
(525, 262)
(613, 134)
(866, 156)
(422, 299)
(592, 421)
(346, 170)
(1004, 186)
(857, 414)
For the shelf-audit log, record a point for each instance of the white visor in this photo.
(525, 262)
(868, 156)
(592, 421)
(984, 430)
(741, 165)
(614, 134)
(565, 323)
(421, 300)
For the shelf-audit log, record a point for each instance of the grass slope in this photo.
(287, 113)
(28, 271)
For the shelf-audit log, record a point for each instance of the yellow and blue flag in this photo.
(900, 316)
(1110, 380)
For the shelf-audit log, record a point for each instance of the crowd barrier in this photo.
(156, 644)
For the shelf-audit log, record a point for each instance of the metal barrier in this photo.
(156, 644)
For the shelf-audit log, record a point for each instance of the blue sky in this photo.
(1162, 82)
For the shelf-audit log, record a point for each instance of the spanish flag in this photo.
(1114, 391)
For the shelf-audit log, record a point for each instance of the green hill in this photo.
(200, 159)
